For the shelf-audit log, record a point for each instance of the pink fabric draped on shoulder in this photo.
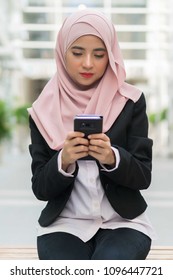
(61, 99)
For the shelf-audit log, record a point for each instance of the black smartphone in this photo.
(88, 124)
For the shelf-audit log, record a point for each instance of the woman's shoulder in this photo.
(141, 101)
(32, 124)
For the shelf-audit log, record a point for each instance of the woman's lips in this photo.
(86, 75)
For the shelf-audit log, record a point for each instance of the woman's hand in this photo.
(75, 147)
(100, 149)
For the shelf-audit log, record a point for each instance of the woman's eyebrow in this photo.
(80, 48)
(77, 47)
(100, 49)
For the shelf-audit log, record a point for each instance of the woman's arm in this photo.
(47, 182)
(134, 170)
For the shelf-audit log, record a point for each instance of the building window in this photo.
(38, 53)
(129, 19)
(40, 36)
(40, 18)
(131, 36)
(40, 3)
(129, 3)
(87, 3)
(134, 54)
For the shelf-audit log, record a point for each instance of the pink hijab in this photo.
(61, 99)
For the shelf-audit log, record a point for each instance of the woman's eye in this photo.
(99, 55)
(77, 54)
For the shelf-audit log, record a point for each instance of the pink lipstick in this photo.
(86, 75)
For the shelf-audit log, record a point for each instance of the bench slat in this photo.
(18, 253)
(161, 253)
(26, 253)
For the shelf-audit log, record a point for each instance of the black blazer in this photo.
(129, 134)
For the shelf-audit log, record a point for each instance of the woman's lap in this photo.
(107, 244)
(121, 244)
(62, 246)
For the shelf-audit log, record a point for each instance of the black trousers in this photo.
(107, 244)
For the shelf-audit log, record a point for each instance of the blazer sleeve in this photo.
(135, 165)
(47, 182)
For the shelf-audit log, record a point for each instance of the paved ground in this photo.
(19, 209)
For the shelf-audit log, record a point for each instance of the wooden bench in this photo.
(160, 253)
(18, 253)
(30, 253)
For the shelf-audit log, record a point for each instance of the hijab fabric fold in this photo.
(54, 110)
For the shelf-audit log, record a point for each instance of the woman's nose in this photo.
(88, 62)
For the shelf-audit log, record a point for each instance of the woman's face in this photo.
(86, 61)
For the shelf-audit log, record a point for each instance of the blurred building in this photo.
(27, 41)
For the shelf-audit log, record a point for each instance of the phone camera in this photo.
(83, 124)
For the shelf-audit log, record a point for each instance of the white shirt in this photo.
(88, 208)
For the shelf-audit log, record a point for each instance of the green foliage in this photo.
(21, 114)
(9, 116)
(4, 120)
(157, 117)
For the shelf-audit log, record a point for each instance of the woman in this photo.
(94, 207)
